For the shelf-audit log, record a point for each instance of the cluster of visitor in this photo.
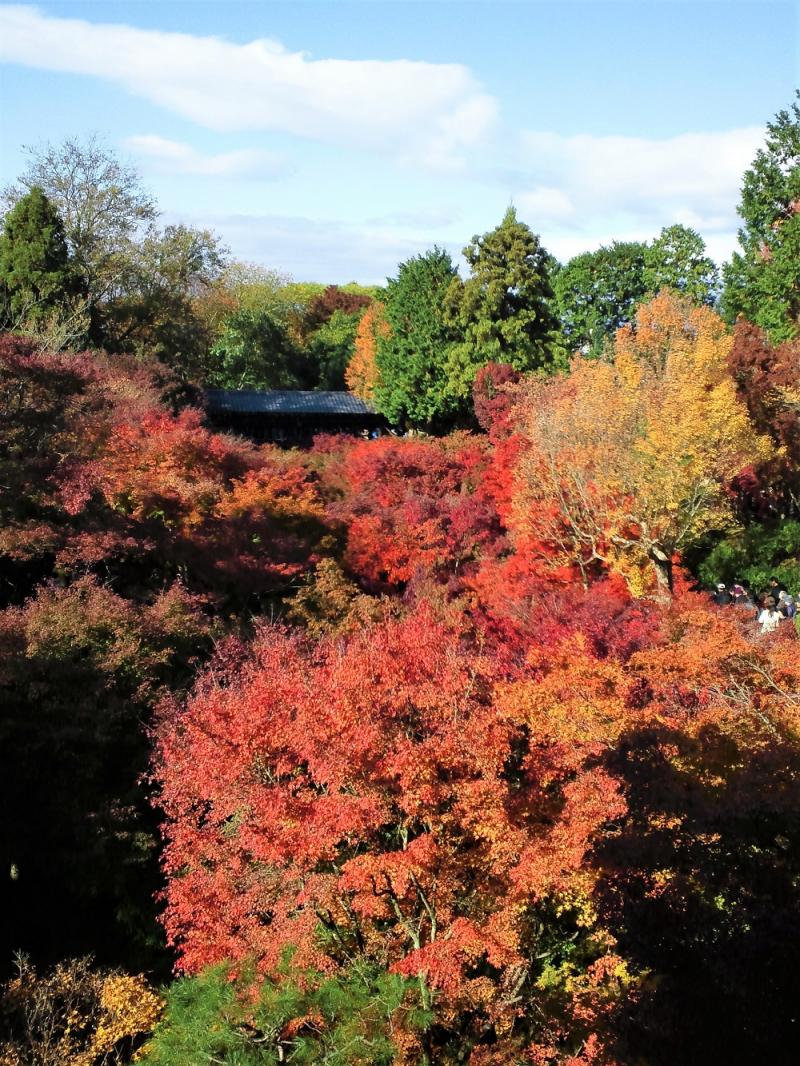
(769, 609)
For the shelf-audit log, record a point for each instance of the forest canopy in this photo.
(475, 741)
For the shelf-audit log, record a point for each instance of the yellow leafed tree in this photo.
(627, 460)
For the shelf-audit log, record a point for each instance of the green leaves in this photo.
(444, 329)
(253, 352)
(349, 1016)
(762, 282)
(597, 292)
(414, 384)
(676, 260)
(504, 310)
(36, 273)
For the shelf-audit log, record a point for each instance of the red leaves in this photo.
(412, 509)
(372, 787)
(101, 472)
(768, 380)
(493, 399)
(448, 783)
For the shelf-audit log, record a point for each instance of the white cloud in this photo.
(428, 112)
(175, 157)
(432, 218)
(547, 202)
(579, 189)
(566, 244)
(317, 249)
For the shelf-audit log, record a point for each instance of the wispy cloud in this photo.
(578, 188)
(425, 112)
(175, 157)
(424, 219)
(318, 249)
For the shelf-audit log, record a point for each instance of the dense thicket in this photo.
(410, 750)
(439, 778)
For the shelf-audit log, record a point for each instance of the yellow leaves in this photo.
(576, 702)
(77, 1016)
(578, 904)
(627, 460)
(129, 1008)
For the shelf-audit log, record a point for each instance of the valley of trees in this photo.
(431, 748)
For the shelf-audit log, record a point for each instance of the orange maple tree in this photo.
(378, 797)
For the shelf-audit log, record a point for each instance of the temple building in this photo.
(289, 416)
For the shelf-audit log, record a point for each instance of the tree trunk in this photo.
(662, 564)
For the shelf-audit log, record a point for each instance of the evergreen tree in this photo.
(505, 308)
(597, 292)
(762, 281)
(413, 359)
(101, 201)
(677, 260)
(36, 274)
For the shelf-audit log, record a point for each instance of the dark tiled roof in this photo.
(285, 402)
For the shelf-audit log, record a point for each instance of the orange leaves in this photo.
(715, 671)
(443, 962)
(387, 788)
(361, 374)
(576, 699)
(309, 757)
(627, 462)
(168, 468)
(555, 863)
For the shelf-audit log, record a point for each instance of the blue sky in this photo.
(333, 139)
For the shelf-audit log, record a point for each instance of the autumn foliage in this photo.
(627, 462)
(425, 749)
(767, 379)
(361, 374)
(414, 820)
(75, 1015)
(412, 509)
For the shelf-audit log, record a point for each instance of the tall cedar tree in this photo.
(762, 282)
(35, 270)
(504, 310)
(413, 359)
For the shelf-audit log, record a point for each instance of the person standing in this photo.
(786, 605)
(741, 597)
(769, 618)
(776, 587)
(721, 597)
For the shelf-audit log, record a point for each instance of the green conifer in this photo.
(36, 275)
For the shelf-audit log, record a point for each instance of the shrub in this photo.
(74, 1015)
